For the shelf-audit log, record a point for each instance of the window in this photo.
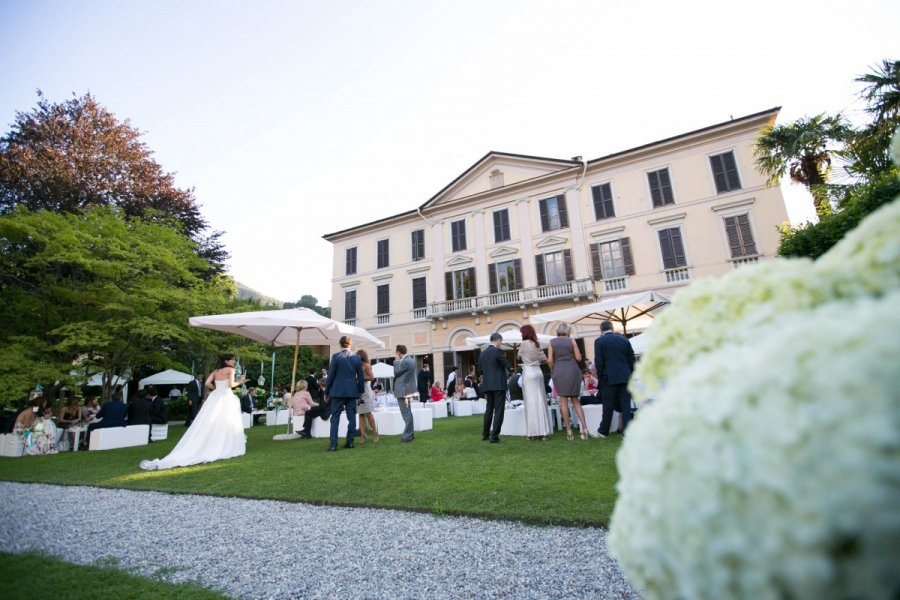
(554, 267)
(383, 253)
(740, 237)
(350, 305)
(418, 292)
(660, 188)
(553, 213)
(501, 225)
(505, 276)
(603, 203)
(460, 284)
(610, 260)
(383, 296)
(418, 244)
(725, 172)
(672, 248)
(458, 235)
(351, 261)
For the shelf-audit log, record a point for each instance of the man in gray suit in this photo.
(405, 389)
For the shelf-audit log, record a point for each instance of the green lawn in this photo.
(29, 576)
(447, 470)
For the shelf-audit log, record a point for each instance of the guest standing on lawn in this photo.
(366, 401)
(563, 357)
(195, 398)
(615, 360)
(494, 369)
(344, 385)
(405, 389)
(537, 424)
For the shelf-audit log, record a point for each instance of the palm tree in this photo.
(802, 149)
(870, 146)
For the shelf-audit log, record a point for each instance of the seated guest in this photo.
(320, 409)
(437, 394)
(248, 404)
(111, 414)
(469, 392)
(138, 410)
(70, 413)
(159, 411)
(515, 389)
(302, 400)
(90, 409)
(27, 416)
(43, 435)
(589, 392)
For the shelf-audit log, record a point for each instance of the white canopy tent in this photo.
(511, 339)
(383, 371)
(633, 310)
(167, 377)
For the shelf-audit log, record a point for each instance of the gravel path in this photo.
(270, 549)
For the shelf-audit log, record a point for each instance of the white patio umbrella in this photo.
(288, 327)
(512, 339)
(383, 371)
(634, 309)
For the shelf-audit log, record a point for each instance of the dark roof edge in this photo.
(772, 110)
(397, 216)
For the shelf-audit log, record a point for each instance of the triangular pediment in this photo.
(497, 170)
(460, 261)
(550, 241)
(502, 251)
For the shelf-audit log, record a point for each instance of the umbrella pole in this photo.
(294, 375)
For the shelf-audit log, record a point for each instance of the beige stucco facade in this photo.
(551, 260)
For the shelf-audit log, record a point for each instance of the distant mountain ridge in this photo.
(248, 293)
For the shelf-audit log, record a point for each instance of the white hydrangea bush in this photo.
(712, 312)
(772, 467)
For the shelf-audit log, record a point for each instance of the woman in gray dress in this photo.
(563, 358)
(366, 401)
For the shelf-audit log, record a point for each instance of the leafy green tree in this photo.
(97, 292)
(870, 147)
(71, 156)
(310, 302)
(803, 149)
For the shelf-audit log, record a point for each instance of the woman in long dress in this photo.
(534, 394)
(217, 431)
(366, 401)
(563, 357)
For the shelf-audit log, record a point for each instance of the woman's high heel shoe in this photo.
(583, 434)
(569, 435)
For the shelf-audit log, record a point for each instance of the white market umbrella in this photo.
(512, 339)
(639, 343)
(383, 371)
(167, 377)
(635, 310)
(288, 327)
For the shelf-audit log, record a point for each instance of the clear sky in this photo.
(293, 119)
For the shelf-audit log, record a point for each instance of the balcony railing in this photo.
(383, 319)
(350, 322)
(615, 285)
(746, 260)
(680, 274)
(419, 313)
(544, 293)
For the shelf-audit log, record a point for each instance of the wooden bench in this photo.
(109, 438)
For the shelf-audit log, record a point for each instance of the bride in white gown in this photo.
(217, 431)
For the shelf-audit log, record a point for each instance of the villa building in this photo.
(517, 235)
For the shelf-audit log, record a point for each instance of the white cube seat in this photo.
(11, 444)
(438, 409)
(159, 432)
(513, 421)
(109, 438)
(422, 419)
(479, 406)
(462, 408)
(281, 418)
(322, 429)
(390, 421)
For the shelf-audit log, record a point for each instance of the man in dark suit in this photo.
(405, 389)
(614, 359)
(515, 390)
(195, 397)
(423, 382)
(343, 387)
(313, 386)
(159, 412)
(494, 369)
(139, 410)
(248, 405)
(111, 414)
